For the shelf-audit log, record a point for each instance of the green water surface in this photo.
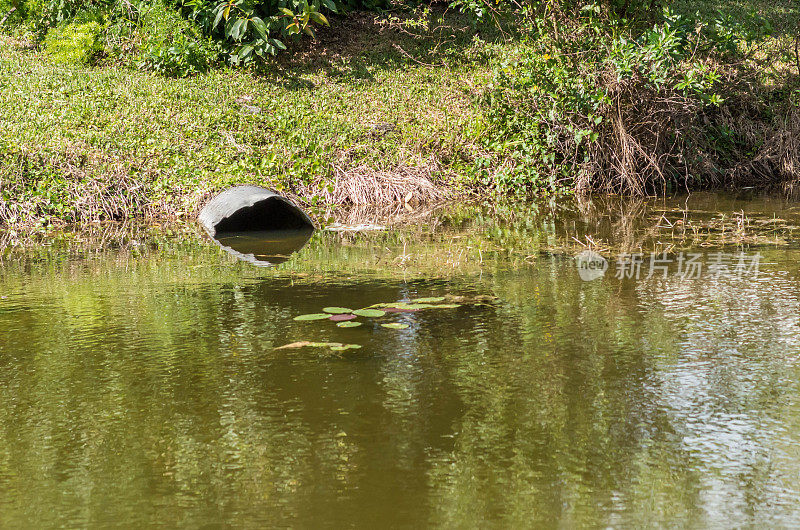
(140, 385)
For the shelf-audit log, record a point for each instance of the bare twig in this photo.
(11, 11)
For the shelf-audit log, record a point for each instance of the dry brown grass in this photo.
(650, 140)
(363, 185)
(777, 158)
(388, 215)
(640, 141)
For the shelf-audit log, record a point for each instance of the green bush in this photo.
(174, 46)
(248, 29)
(241, 30)
(601, 104)
(42, 15)
(73, 43)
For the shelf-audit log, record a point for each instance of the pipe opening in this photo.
(269, 214)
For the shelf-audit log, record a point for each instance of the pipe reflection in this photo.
(264, 248)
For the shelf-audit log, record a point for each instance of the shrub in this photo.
(242, 30)
(42, 15)
(74, 43)
(250, 29)
(596, 103)
(174, 46)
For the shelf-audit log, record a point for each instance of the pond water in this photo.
(141, 384)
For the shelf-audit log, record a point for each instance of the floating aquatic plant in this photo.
(369, 313)
(403, 307)
(342, 317)
(345, 317)
(313, 316)
(340, 314)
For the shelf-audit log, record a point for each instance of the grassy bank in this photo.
(88, 143)
(379, 108)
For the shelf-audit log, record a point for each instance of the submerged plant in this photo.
(335, 346)
(395, 325)
(428, 300)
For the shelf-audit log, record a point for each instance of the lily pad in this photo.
(395, 325)
(337, 310)
(343, 347)
(429, 299)
(342, 317)
(445, 306)
(313, 316)
(348, 324)
(369, 313)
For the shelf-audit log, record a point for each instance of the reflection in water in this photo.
(144, 389)
(264, 248)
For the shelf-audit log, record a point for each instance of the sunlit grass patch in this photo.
(292, 129)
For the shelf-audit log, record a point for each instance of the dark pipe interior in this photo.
(269, 214)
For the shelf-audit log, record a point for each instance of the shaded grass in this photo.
(781, 14)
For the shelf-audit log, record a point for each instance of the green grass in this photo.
(64, 127)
